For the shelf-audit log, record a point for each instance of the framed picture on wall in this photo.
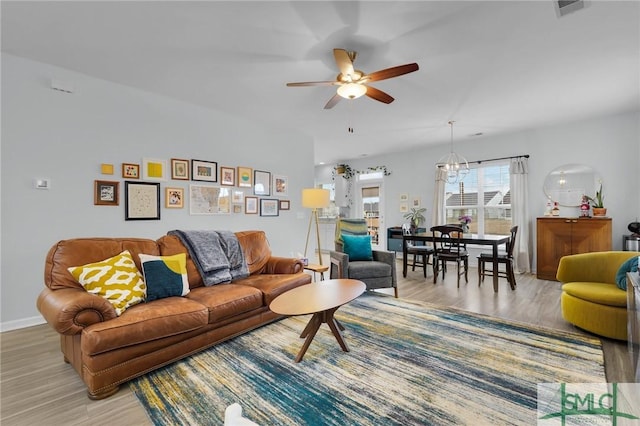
(179, 169)
(205, 199)
(261, 182)
(280, 185)
(227, 176)
(237, 197)
(284, 205)
(141, 201)
(206, 171)
(130, 171)
(245, 177)
(105, 193)
(251, 205)
(174, 198)
(154, 169)
(269, 207)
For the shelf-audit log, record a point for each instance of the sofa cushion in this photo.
(115, 279)
(165, 276)
(170, 245)
(143, 323)
(226, 300)
(80, 251)
(273, 285)
(368, 269)
(358, 247)
(601, 293)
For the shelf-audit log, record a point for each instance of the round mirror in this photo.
(568, 183)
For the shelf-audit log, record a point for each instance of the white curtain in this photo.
(519, 178)
(439, 217)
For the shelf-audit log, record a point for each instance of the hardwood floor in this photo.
(38, 388)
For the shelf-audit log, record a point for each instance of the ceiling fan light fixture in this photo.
(352, 90)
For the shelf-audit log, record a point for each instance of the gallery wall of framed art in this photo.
(223, 190)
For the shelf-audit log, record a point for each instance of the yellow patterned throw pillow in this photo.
(116, 279)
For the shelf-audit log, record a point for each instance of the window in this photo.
(332, 210)
(485, 196)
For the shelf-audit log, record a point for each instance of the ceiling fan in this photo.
(352, 83)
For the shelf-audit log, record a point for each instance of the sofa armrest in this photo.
(389, 258)
(283, 265)
(599, 267)
(70, 310)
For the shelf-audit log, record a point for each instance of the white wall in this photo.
(65, 137)
(611, 145)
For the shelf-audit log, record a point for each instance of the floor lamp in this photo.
(314, 199)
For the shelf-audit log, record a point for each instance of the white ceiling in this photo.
(493, 67)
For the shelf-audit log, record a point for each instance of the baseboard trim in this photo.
(21, 323)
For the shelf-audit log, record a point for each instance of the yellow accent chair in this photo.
(590, 298)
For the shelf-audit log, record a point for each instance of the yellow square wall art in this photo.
(154, 169)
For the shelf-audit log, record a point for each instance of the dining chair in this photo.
(421, 252)
(449, 248)
(506, 258)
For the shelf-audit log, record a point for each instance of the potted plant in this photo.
(597, 203)
(416, 217)
(344, 170)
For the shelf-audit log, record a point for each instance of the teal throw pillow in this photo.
(630, 265)
(165, 276)
(358, 247)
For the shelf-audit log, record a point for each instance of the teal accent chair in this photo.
(377, 273)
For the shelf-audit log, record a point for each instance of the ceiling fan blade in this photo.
(343, 61)
(391, 72)
(378, 95)
(312, 83)
(334, 100)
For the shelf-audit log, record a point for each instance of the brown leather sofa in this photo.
(107, 350)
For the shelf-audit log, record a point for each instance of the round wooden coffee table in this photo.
(322, 300)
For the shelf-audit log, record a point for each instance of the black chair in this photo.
(449, 248)
(421, 253)
(506, 258)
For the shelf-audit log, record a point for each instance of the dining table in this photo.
(494, 241)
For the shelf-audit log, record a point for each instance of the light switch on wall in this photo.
(42, 183)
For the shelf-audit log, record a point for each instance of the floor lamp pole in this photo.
(306, 245)
(314, 216)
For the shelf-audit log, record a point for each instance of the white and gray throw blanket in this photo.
(217, 255)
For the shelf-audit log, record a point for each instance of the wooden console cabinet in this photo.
(562, 236)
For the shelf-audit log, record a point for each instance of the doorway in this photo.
(370, 204)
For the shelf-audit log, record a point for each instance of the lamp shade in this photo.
(352, 90)
(315, 198)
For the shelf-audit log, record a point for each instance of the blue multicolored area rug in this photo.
(409, 364)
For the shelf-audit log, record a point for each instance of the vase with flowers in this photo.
(464, 223)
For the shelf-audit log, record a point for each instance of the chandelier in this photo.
(455, 165)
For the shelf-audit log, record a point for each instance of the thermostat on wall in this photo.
(42, 183)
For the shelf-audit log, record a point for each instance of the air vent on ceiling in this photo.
(567, 6)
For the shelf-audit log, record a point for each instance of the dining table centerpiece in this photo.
(465, 220)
